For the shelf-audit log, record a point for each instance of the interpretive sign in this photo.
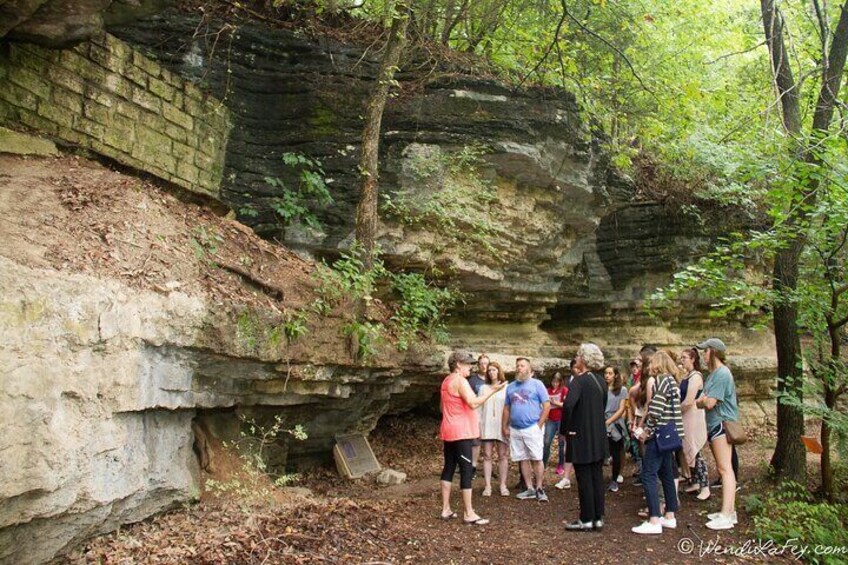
(354, 457)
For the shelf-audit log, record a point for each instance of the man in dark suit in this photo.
(583, 422)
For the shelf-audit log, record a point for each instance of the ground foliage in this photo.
(334, 531)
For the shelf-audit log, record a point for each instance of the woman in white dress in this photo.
(490, 430)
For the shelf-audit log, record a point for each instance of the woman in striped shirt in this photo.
(663, 408)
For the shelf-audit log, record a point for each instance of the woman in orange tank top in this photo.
(459, 426)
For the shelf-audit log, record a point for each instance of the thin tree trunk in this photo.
(366, 209)
(826, 463)
(833, 389)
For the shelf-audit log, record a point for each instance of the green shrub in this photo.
(253, 484)
(422, 307)
(295, 204)
(791, 515)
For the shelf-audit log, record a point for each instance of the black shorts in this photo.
(715, 432)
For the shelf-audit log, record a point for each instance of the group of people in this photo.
(664, 418)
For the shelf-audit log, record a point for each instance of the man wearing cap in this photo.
(525, 412)
(459, 427)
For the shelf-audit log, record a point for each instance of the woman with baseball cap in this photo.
(719, 402)
(460, 425)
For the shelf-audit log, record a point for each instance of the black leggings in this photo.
(458, 453)
(616, 452)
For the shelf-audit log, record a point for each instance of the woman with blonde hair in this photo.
(662, 423)
(490, 429)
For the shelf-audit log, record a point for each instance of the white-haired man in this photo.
(525, 412)
(583, 421)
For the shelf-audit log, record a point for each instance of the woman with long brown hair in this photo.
(694, 423)
(616, 406)
(490, 429)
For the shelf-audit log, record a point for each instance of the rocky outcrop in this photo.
(549, 184)
(565, 236)
(107, 373)
(102, 383)
(60, 23)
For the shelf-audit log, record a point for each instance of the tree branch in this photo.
(545, 54)
(605, 42)
(727, 55)
(782, 72)
(824, 29)
(840, 322)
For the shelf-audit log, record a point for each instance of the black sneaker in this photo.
(637, 482)
(473, 473)
(541, 496)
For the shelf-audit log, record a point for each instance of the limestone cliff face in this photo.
(573, 254)
(550, 184)
(106, 371)
(101, 383)
(567, 237)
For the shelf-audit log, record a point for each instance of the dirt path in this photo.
(533, 532)
(360, 522)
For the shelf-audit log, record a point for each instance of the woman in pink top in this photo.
(460, 425)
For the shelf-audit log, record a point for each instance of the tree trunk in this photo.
(826, 463)
(366, 209)
(789, 458)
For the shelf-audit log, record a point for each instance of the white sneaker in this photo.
(733, 516)
(647, 528)
(721, 523)
(564, 483)
(619, 479)
(668, 523)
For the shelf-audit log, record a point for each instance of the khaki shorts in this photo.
(526, 444)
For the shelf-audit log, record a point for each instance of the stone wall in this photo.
(104, 96)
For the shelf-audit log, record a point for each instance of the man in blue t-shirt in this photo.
(525, 412)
